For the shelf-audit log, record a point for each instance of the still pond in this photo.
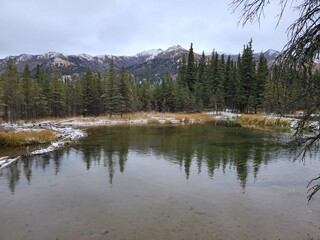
(162, 182)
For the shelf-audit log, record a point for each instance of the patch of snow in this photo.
(77, 123)
(271, 52)
(50, 55)
(226, 54)
(24, 57)
(7, 162)
(101, 56)
(51, 148)
(223, 115)
(175, 48)
(59, 61)
(86, 56)
(66, 133)
(149, 53)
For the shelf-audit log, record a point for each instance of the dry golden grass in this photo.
(184, 117)
(26, 138)
(149, 116)
(262, 122)
(127, 116)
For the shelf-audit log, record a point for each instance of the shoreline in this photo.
(68, 129)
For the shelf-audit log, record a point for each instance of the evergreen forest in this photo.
(215, 83)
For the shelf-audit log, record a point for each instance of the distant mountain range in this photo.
(151, 65)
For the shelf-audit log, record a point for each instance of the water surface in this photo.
(161, 182)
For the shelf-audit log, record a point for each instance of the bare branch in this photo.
(297, 58)
(314, 189)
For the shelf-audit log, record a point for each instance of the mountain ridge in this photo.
(151, 64)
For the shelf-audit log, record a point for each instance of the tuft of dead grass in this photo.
(260, 122)
(27, 138)
(151, 117)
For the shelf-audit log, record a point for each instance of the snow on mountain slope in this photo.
(151, 64)
(149, 53)
(175, 48)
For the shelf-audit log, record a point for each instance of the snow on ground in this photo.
(51, 148)
(79, 123)
(65, 134)
(7, 162)
(223, 115)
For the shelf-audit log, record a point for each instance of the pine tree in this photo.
(39, 103)
(98, 91)
(182, 72)
(248, 79)
(88, 93)
(1, 96)
(77, 100)
(26, 93)
(57, 94)
(11, 97)
(144, 96)
(191, 74)
(125, 92)
(181, 90)
(237, 90)
(228, 85)
(200, 84)
(111, 94)
(69, 92)
(181, 97)
(216, 76)
(167, 94)
(261, 79)
(45, 85)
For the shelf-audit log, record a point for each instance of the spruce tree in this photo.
(57, 94)
(88, 94)
(39, 103)
(200, 84)
(69, 92)
(125, 92)
(11, 96)
(26, 93)
(182, 72)
(167, 94)
(1, 96)
(248, 79)
(191, 74)
(261, 79)
(228, 84)
(111, 94)
(144, 96)
(238, 93)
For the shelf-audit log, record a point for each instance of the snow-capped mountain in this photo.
(151, 64)
(150, 53)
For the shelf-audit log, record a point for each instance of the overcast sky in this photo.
(126, 27)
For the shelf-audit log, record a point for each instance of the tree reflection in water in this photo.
(209, 147)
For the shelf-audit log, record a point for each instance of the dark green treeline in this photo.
(212, 83)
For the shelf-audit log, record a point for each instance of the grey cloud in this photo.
(127, 27)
